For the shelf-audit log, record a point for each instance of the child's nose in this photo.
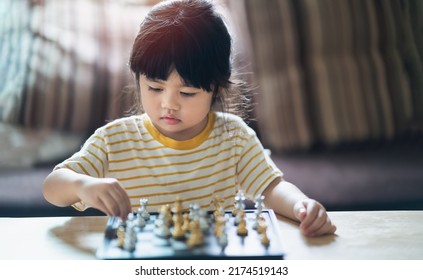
(170, 101)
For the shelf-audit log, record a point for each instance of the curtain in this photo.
(333, 72)
(64, 63)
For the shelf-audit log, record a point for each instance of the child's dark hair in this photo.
(188, 36)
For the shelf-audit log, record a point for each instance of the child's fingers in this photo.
(300, 210)
(314, 220)
(312, 211)
(302, 213)
(326, 228)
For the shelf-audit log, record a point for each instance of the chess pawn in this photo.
(130, 239)
(185, 225)
(130, 218)
(168, 215)
(264, 239)
(234, 212)
(120, 236)
(242, 226)
(196, 236)
(262, 230)
(261, 227)
(259, 219)
(219, 225)
(163, 222)
(217, 202)
(178, 232)
(165, 217)
(163, 231)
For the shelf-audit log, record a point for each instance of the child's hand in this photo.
(314, 220)
(107, 195)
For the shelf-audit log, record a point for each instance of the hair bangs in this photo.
(176, 51)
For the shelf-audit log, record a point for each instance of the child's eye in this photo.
(154, 89)
(188, 94)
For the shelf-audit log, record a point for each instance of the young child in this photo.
(181, 146)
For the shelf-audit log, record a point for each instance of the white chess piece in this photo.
(143, 209)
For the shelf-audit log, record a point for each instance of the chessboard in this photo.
(174, 233)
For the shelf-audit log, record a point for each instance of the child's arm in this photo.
(287, 200)
(64, 187)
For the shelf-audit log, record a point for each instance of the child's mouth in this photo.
(170, 120)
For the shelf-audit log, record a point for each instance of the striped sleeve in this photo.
(91, 159)
(256, 169)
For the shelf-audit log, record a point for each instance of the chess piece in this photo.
(259, 209)
(163, 231)
(178, 232)
(240, 205)
(142, 210)
(120, 236)
(140, 222)
(185, 225)
(163, 222)
(130, 218)
(242, 226)
(238, 201)
(196, 237)
(165, 217)
(130, 240)
(218, 208)
(219, 226)
(263, 237)
(178, 206)
(261, 226)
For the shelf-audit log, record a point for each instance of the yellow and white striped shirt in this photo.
(224, 157)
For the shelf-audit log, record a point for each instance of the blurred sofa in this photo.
(62, 78)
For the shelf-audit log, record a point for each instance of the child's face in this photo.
(177, 110)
